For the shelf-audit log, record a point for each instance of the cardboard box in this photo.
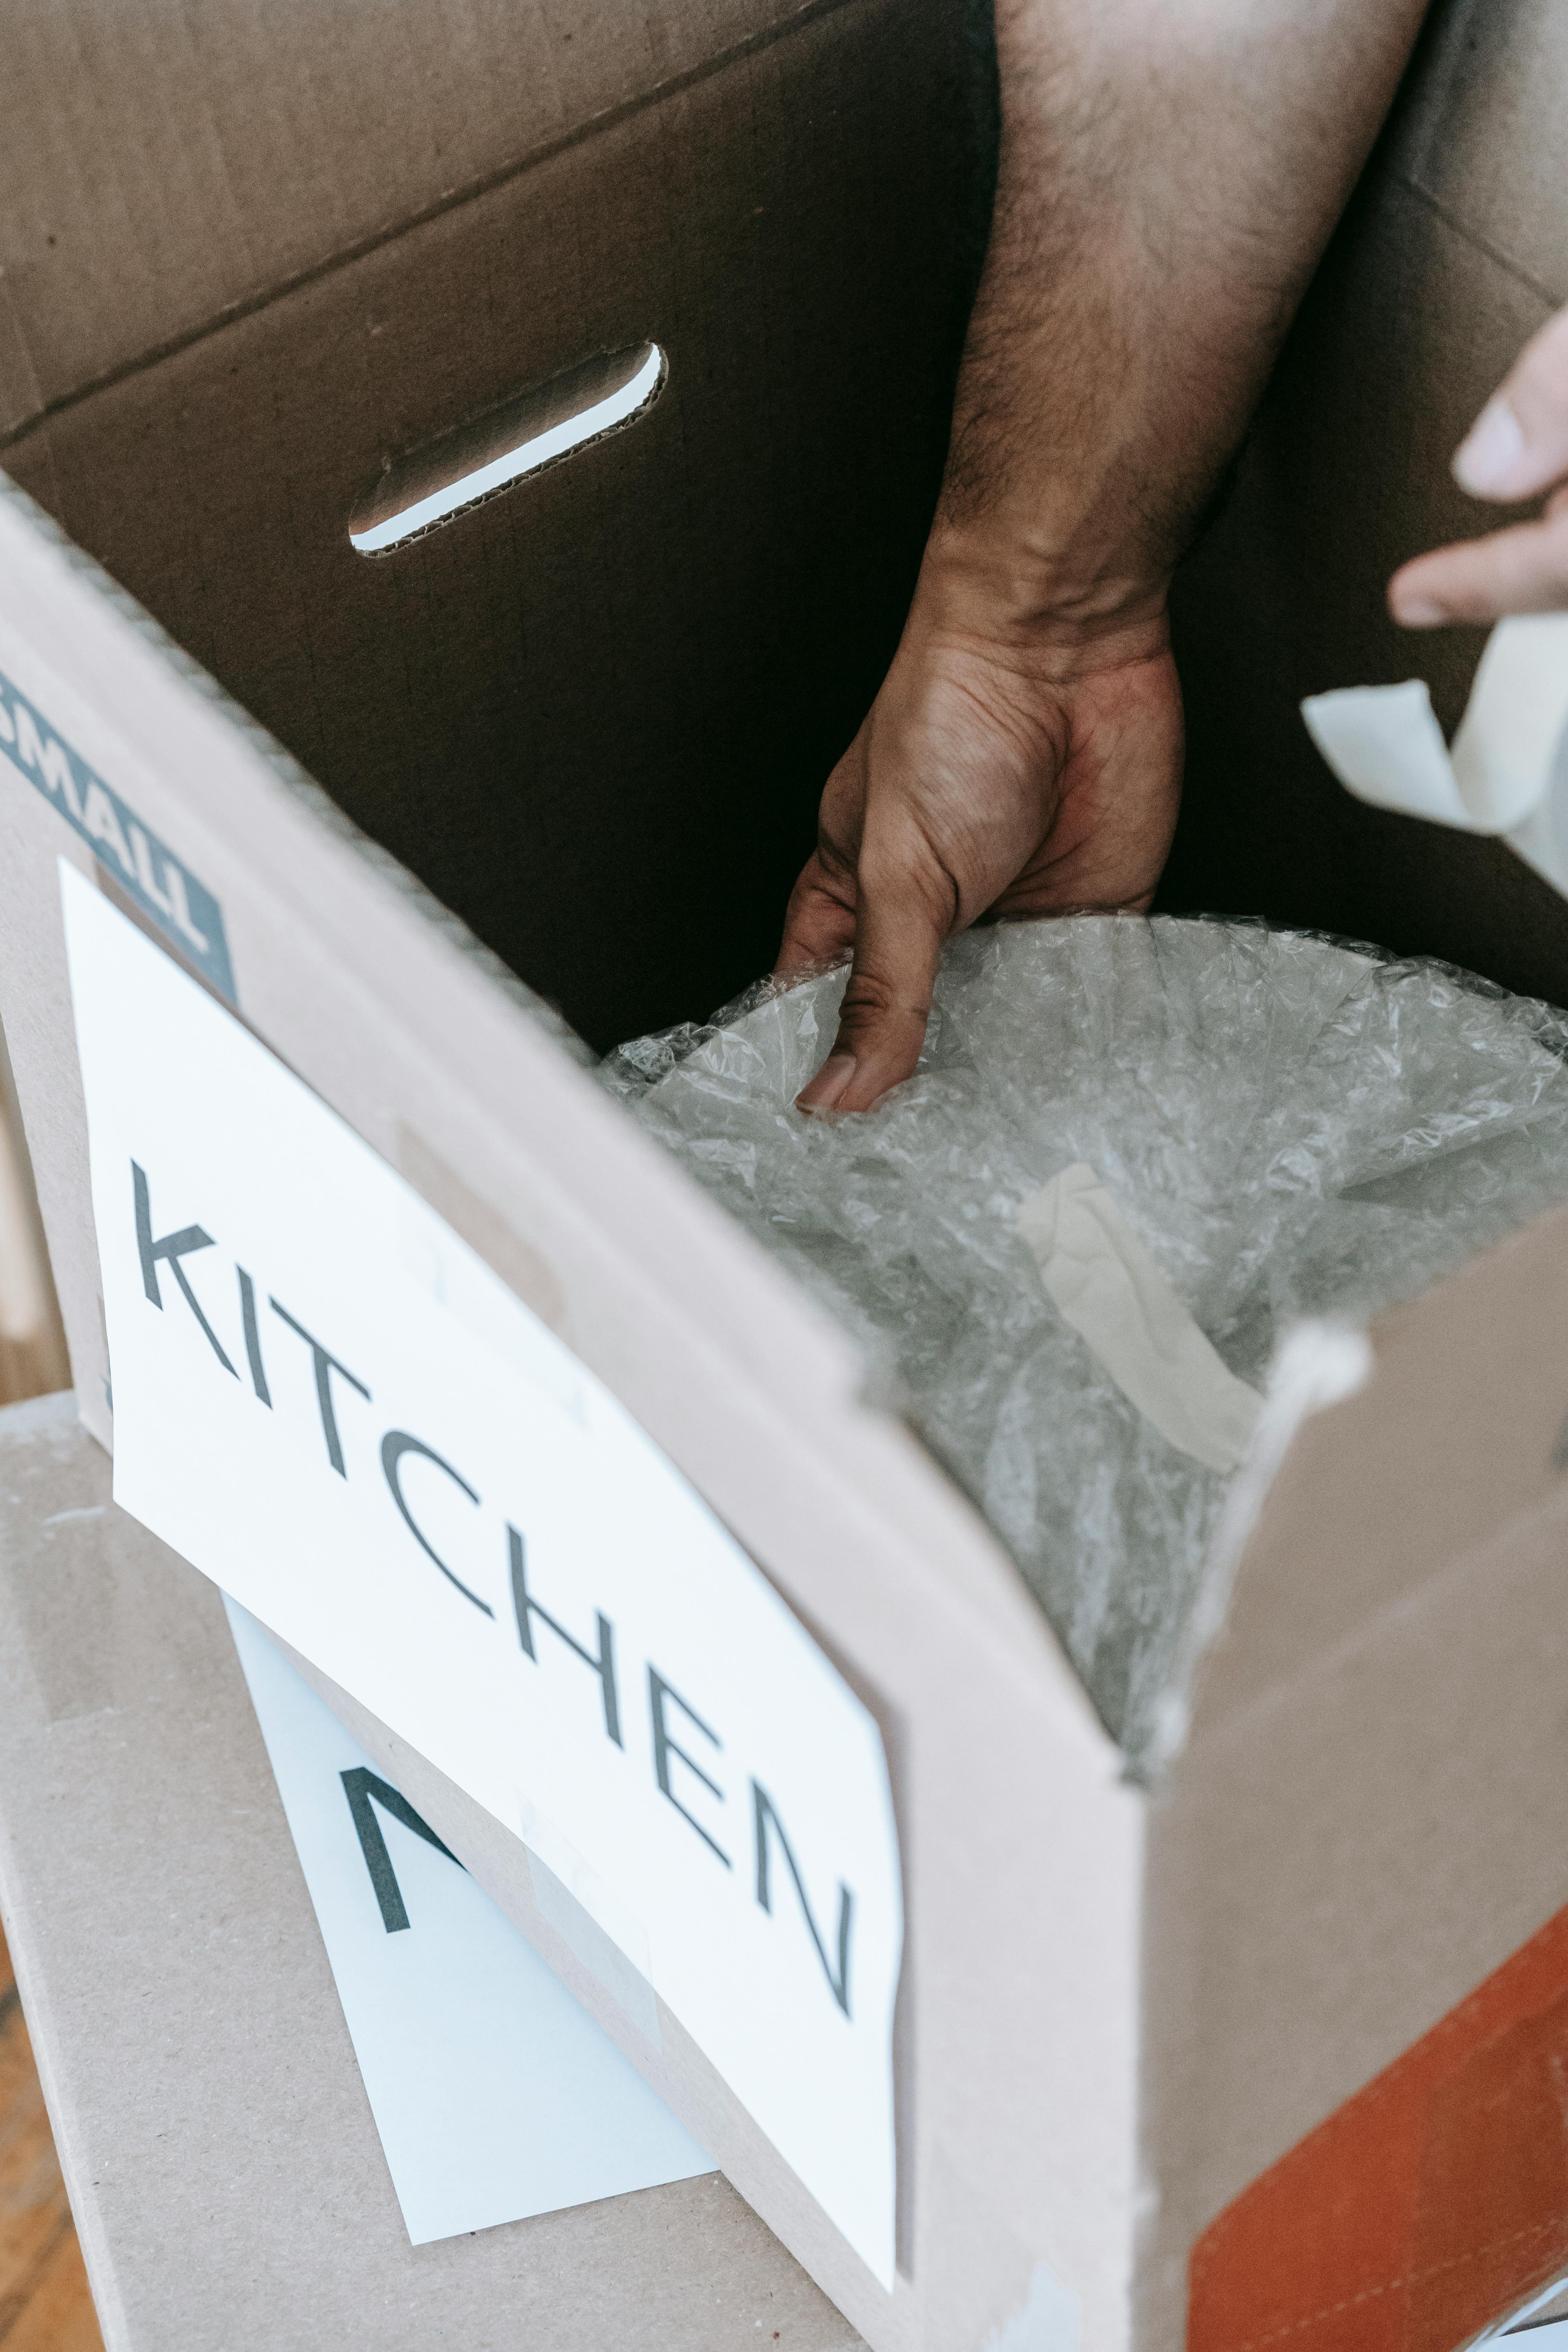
(224, 2173)
(1119, 2013)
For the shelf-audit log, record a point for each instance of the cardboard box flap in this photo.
(1456, 1434)
(162, 172)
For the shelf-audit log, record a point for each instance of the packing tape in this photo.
(1508, 770)
(1110, 1289)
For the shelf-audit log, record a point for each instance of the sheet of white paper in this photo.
(1385, 746)
(1508, 770)
(495, 2093)
(330, 1405)
(1110, 1289)
(1514, 731)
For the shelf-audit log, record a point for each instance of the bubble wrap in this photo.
(1291, 1127)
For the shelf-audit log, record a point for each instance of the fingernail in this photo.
(1418, 612)
(1488, 456)
(831, 1082)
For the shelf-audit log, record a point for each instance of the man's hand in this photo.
(1169, 171)
(1517, 448)
(1006, 768)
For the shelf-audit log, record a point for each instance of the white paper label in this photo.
(495, 2095)
(325, 1401)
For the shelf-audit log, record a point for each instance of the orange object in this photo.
(1430, 2205)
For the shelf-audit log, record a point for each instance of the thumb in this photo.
(902, 915)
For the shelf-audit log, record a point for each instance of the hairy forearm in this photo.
(1170, 173)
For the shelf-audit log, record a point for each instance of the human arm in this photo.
(1517, 448)
(1169, 171)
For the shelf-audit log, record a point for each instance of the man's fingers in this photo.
(1518, 446)
(819, 921)
(902, 920)
(1521, 570)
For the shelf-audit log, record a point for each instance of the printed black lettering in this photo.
(171, 1250)
(393, 1446)
(325, 1366)
(764, 1814)
(526, 1607)
(359, 1786)
(664, 1747)
(252, 1335)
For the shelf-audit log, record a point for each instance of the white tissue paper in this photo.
(1508, 770)
(1134, 1152)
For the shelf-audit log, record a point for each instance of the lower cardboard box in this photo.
(219, 2153)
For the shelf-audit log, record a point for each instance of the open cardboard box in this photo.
(1272, 2050)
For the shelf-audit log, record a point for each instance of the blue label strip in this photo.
(183, 908)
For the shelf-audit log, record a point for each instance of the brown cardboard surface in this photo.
(161, 173)
(1479, 131)
(583, 706)
(1367, 1506)
(220, 2156)
(1427, 2204)
(1362, 1825)
(986, 2087)
(1414, 318)
(1335, 1867)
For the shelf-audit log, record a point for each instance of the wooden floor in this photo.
(45, 2305)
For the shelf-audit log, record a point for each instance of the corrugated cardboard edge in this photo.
(1318, 1364)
